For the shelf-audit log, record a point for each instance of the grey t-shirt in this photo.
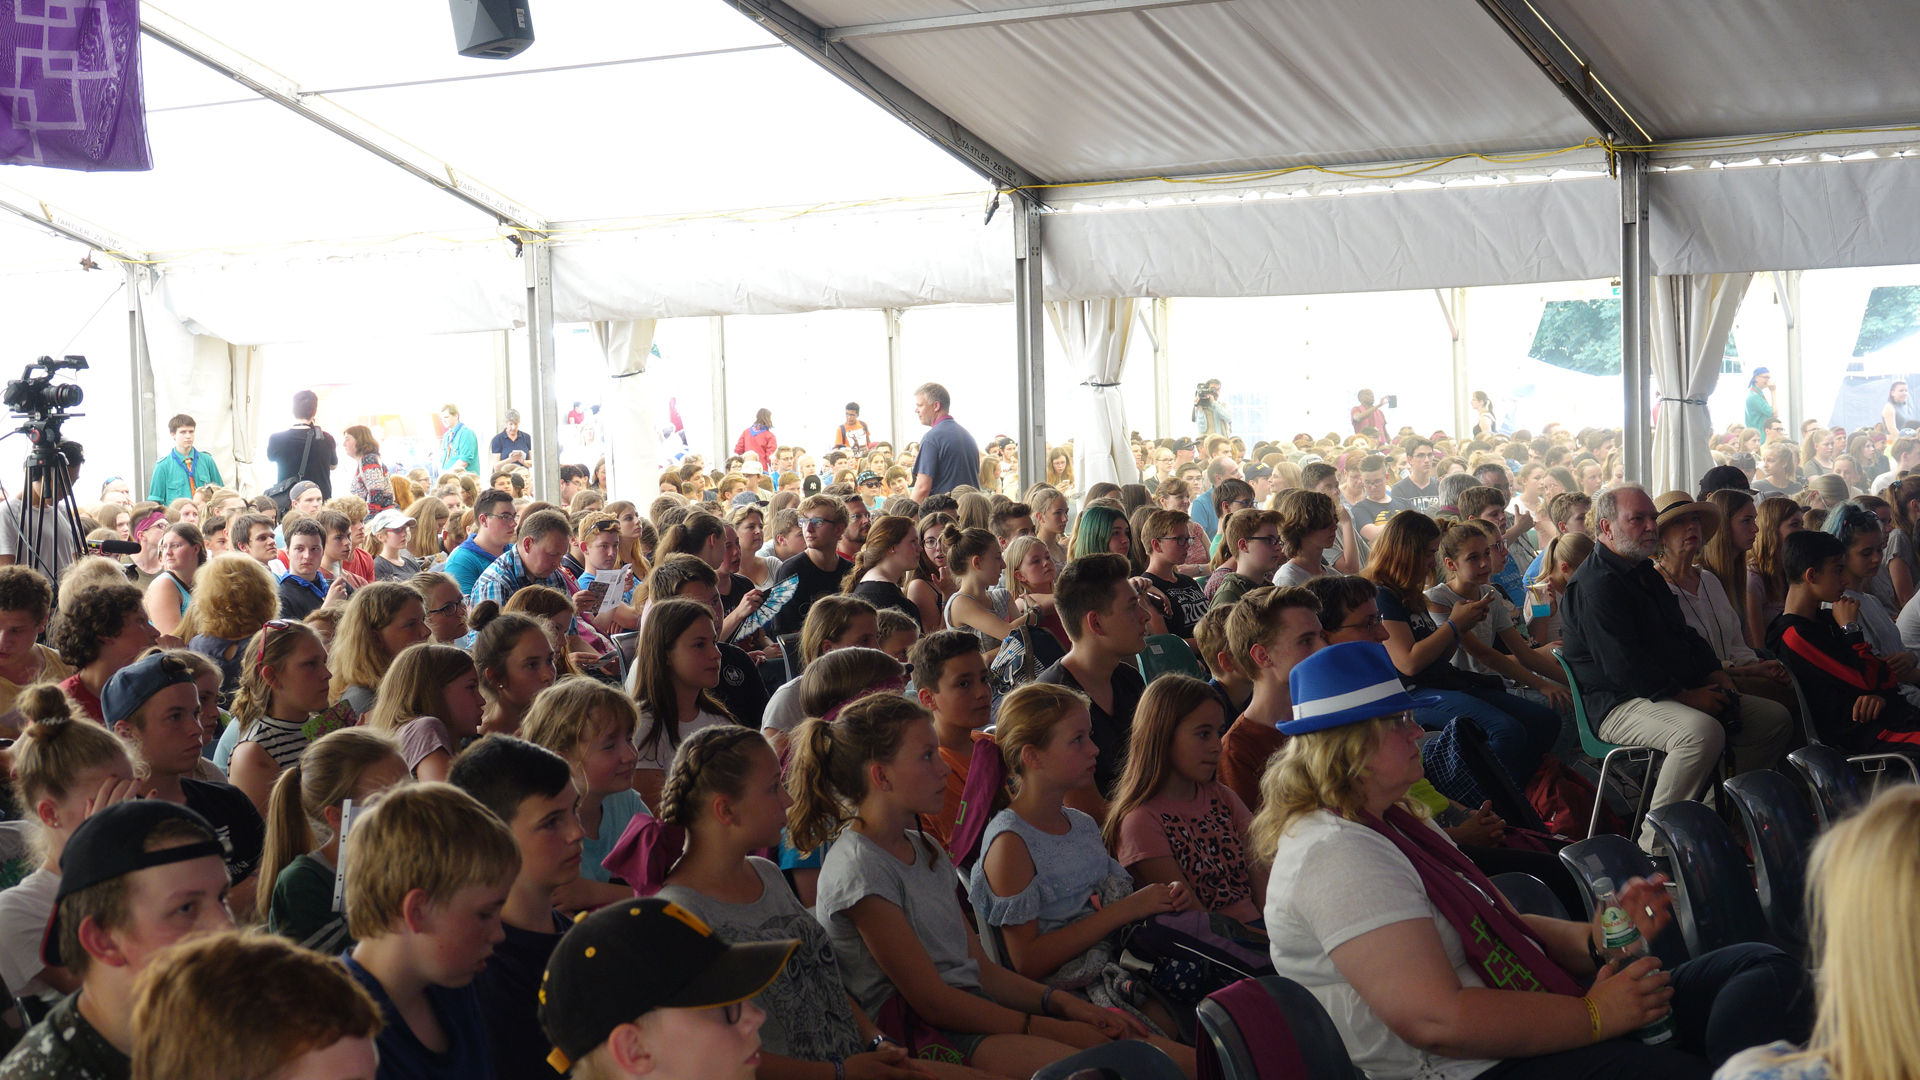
(1487, 629)
(808, 1014)
(857, 868)
(1292, 573)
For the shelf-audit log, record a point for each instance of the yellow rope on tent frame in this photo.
(776, 215)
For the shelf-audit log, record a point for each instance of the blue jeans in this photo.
(1518, 731)
(1724, 1002)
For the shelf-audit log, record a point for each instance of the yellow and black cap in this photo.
(630, 958)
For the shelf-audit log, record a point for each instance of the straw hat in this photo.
(1675, 505)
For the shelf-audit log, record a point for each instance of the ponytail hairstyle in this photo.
(827, 775)
(415, 685)
(938, 523)
(713, 761)
(1027, 717)
(327, 774)
(829, 618)
(1149, 765)
(883, 535)
(1456, 535)
(843, 676)
(58, 745)
(496, 634)
(652, 678)
(1572, 549)
(965, 545)
(269, 648)
(358, 656)
(689, 536)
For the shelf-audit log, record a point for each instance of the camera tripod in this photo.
(45, 526)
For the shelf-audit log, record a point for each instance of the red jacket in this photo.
(761, 441)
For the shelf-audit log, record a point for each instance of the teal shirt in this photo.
(170, 480)
(460, 444)
(1758, 411)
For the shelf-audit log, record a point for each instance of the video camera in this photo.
(43, 403)
(1204, 393)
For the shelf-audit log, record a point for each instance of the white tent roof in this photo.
(1432, 151)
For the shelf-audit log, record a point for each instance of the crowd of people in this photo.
(398, 764)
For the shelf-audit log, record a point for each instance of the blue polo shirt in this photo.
(949, 455)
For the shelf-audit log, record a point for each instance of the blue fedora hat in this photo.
(1345, 684)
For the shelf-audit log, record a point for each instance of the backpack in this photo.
(1564, 800)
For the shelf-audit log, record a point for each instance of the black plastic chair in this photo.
(33, 1009)
(1836, 788)
(1129, 1059)
(628, 644)
(1529, 895)
(1495, 782)
(1323, 1056)
(1780, 832)
(1620, 860)
(1715, 904)
(790, 654)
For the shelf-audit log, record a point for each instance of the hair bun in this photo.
(483, 613)
(44, 703)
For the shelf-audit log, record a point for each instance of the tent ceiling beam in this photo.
(1576, 79)
(1066, 10)
(320, 109)
(808, 38)
(19, 203)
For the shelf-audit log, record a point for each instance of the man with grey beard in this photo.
(1646, 675)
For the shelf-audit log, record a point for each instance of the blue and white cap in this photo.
(1345, 684)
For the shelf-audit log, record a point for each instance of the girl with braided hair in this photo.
(725, 791)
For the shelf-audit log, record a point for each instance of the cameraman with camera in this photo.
(40, 528)
(1209, 417)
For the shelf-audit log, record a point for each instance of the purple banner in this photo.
(70, 85)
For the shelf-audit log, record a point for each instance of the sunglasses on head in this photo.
(267, 632)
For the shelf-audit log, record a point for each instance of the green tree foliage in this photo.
(1893, 312)
(1579, 335)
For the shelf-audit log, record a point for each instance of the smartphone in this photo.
(1391, 401)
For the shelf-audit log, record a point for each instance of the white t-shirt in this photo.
(783, 711)
(24, 911)
(1334, 880)
(660, 755)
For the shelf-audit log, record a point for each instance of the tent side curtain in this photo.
(1806, 216)
(1692, 315)
(635, 456)
(1094, 335)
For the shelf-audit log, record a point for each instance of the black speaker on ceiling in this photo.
(493, 29)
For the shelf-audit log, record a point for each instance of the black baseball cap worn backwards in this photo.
(112, 843)
(626, 960)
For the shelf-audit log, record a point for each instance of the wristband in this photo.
(878, 1042)
(1593, 1014)
(839, 1069)
(1046, 999)
(1455, 629)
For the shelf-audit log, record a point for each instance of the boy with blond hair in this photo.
(428, 869)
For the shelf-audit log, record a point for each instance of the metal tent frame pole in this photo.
(1636, 278)
(546, 408)
(1030, 325)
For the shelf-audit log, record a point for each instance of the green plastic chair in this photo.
(1166, 654)
(1604, 751)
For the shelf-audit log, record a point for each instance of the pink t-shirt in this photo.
(1207, 837)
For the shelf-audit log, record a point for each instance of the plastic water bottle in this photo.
(1621, 944)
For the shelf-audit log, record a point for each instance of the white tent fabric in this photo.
(1691, 317)
(636, 445)
(1094, 334)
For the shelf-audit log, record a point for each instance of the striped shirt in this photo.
(284, 740)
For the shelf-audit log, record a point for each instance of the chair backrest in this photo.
(1612, 856)
(1529, 895)
(1780, 832)
(1836, 790)
(628, 644)
(1494, 779)
(1270, 1028)
(790, 654)
(1807, 729)
(1590, 741)
(1166, 654)
(1715, 904)
(1128, 1059)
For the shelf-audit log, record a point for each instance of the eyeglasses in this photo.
(1369, 624)
(820, 523)
(509, 517)
(1273, 541)
(268, 630)
(457, 602)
